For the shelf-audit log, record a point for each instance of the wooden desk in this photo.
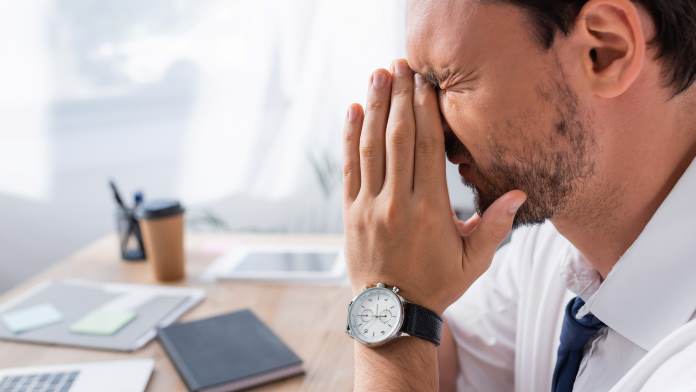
(310, 319)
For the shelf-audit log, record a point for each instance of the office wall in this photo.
(228, 105)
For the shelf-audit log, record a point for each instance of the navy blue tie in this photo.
(575, 334)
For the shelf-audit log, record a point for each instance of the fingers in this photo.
(495, 225)
(351, 152)
(401, 132)
(429, 169)
(372, 151)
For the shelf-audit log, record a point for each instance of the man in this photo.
(575, 119)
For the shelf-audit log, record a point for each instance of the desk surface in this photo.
(310, 319)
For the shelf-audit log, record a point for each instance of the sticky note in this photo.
(103, 322)
(33, 317)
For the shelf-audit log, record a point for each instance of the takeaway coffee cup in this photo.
(162, 224)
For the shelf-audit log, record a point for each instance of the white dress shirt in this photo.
(507, 325)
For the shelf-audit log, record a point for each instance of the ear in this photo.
(612, 44)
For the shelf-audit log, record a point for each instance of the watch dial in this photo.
(375, 315)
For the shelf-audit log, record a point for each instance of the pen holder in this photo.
(129, 235)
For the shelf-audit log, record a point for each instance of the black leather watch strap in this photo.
(422, 322)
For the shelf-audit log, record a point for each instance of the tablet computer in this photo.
(287, 264)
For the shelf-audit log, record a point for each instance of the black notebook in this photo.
(227, 353)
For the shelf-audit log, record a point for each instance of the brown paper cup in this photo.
(164, 246)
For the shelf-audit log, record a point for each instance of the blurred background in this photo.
(233, 106)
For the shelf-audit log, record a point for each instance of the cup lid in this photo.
(160, 209)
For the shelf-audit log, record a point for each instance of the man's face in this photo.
(512, 120)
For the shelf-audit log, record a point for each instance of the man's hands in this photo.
(398, 220)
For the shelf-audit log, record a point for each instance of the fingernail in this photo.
(515, 206)
(420, 81)
(378, 80)
(402, 68)
(351, 114)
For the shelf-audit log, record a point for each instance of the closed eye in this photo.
(433, 80)
(462, 82)
(450, 82)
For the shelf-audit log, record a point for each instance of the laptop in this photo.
(130, 375)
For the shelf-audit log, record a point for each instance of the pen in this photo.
(138, 199)
(117, 195)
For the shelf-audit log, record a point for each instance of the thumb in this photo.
(465, 228)
(495, 225)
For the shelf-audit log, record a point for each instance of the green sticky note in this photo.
(103, 322)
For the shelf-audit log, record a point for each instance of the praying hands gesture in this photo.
(399, 227)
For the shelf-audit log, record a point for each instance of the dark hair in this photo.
(675, 31)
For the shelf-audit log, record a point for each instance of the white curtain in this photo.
(24, 151)
(274, 96)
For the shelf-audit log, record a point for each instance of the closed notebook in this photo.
(228, 352)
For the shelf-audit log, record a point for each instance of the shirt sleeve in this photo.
(483, 322)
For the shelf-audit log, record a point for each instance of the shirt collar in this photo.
(651, 291)
(579, 275)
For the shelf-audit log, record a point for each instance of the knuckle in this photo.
(354, 218)
(392, 212)
(426, 145)
(368, 152)
(399, 166)
(401, 91)
(386, 228)
(380, 217)
(375, 105)
(399, 123)
(348, 170)
(399, 136)
(357, 225)
(354, 227)
(350, 137)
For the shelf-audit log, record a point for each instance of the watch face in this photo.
(375, 315)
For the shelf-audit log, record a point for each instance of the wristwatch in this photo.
(379, 314)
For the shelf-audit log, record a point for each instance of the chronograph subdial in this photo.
(366, 315)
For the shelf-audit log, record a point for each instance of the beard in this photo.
(550, 173)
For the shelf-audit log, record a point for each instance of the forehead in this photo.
(443, 33)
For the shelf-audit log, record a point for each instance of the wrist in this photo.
(399, 348)
(396, 361)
